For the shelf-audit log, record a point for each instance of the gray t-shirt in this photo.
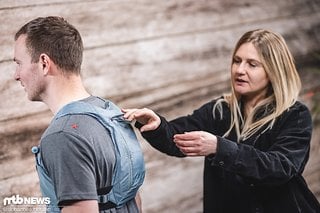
(78, 154)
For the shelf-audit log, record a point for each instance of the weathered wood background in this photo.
(171, 56)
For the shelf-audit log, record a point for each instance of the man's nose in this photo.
(16, 75)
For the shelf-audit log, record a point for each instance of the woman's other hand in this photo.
(196, 143)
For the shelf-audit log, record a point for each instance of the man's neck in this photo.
(63, 91)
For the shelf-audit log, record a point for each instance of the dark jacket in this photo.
(261, 174)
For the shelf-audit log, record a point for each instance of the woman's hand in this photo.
(196, 143)
(148, 118)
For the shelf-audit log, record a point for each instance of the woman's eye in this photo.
(253, 65)
(236, 61)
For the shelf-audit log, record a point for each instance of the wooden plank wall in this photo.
(171, 56)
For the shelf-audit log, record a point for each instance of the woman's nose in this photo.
(241, 68)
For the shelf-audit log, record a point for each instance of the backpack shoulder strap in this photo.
(81, 107)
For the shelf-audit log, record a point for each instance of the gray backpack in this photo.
(129, 171)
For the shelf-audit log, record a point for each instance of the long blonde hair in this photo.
(285, 84)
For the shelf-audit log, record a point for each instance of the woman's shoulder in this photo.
(219, 102)
(215, 108)
(298, 107)
(298, 113)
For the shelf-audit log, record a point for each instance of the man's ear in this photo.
(45, 63)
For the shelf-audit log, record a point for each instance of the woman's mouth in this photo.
(240, 80)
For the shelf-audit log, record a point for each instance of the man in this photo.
(77, 152)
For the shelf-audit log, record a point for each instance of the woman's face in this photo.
(249, 78)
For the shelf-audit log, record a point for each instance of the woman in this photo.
(255, 140)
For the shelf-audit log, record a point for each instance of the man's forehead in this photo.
(20, 43)
(20, 49)
(21, 39)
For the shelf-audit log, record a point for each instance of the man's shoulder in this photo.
(74, 122)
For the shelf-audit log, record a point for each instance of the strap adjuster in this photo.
(102, 198)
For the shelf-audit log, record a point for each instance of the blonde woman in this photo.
(255, 140)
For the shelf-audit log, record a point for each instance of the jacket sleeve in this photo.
(287, 152)
(162, 138)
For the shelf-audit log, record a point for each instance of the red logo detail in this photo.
(74, 126)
